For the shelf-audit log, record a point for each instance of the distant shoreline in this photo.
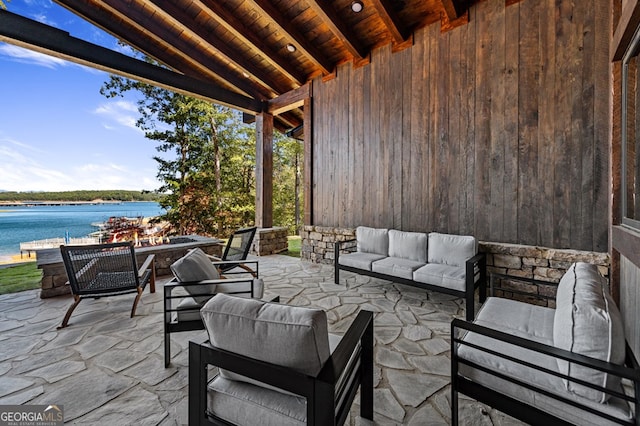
(58, 203)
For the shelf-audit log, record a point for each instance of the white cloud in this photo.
(121, 112)
(27, 56)
(23, 171)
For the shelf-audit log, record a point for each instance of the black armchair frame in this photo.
(100, 270)
(173, 295)
(321, 392)
(519, 409)
(475, 277)
(236, 251)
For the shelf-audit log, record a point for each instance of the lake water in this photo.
(23, 224)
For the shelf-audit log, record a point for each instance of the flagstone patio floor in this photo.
(107, 368)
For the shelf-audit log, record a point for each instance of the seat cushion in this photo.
(360, 260)
(188, 310)
(290, 336)
(588, 322)
(193, 267)
(534, 323)
(372, 240)
(408, 245)
(396, 266)
(452, 277)
(242, 403)
(452, 250)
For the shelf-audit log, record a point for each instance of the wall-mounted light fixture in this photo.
(357, 6)
(291, 48)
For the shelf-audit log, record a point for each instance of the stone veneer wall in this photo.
(270, 241)
(540, 263)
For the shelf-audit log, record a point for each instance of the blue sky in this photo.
(57, 133)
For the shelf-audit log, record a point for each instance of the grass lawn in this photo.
(294, 246)
(19, 278)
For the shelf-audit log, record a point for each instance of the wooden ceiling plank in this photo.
(239, 30)
(132, 17)
(265, 8)
(33, 35)
(399, 32)
(327, 13)
(176, 16)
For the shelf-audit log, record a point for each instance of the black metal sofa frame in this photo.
(475, 277)
(521, 410)
(321, 392)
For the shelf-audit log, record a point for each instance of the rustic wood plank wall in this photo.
(498, 128)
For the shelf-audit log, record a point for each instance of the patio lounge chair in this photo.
(278, 365)
(196, 280)
(101, 270)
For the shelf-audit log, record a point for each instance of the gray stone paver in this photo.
(109, 368)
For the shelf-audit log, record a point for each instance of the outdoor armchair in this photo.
(101, 270)
(237, 249)
(278, 365)
(196, 280)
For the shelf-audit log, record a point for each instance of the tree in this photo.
(206, 177)
(287, 192)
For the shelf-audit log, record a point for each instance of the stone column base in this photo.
(270, 241)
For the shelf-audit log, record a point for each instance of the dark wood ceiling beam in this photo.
(176, 16)
(134, 14)
(399, 32)
(33, 35)
(131, 16)
(265, 8)
(101, 19)
(239, 30)
(328, 14)
(289, 101)
(453, 8)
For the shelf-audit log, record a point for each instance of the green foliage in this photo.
(110, 195)
(206, 161)
(19, 278)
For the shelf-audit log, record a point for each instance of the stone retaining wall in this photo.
(54, 276)
(270, 241)
(540, 263)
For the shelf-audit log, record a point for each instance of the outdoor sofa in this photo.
(549, 366)
(438, 262)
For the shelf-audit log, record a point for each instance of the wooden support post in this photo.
(264, 170)
(308, 164)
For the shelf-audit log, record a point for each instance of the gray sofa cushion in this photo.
(534, 323)
(452, 277)
(588, 322)
(359, 260)
(372, 240)
(396, 267)
(408, 245)
(196, 266)
(452, 250)
(289, 336)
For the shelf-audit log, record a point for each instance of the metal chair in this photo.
(102, 270)
(237, 249)
(278, 365)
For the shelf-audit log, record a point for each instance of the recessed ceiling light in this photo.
(291, 48)
(357, 6)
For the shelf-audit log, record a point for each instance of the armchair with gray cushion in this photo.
(196, 280)
(278, 365)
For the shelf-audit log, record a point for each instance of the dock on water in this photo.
(32, 246)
